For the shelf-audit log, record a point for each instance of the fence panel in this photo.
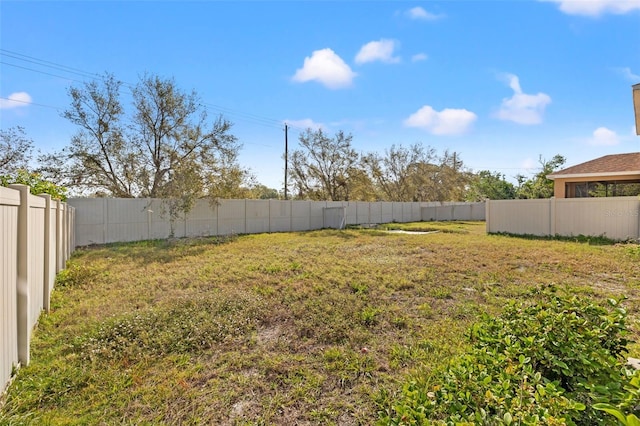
(231, 217)
(612, 217)
(519, 217)
(35, 258)
(316, 215)
(280, 215)
(50, 254)
(351, 213)
(386, 212)
(9, 202)
(258, 218)
(301, 215)
(615, 217)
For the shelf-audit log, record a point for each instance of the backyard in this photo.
(321, 327)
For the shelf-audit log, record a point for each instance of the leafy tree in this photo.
(15, 150)
(486, 185)
(539, 186)
(262, 192)
(37, 185)
(361, 187)
(165, 147)
(321, 169)
(394, 173)
(446, 179)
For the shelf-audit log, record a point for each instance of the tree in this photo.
(539, 186)
(263, 192)
(394, 173)
(36, 183)
(443, 179)
(322, 168)
(15, 150)
(486, 185)
(165, 147)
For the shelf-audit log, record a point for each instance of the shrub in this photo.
(548, 360)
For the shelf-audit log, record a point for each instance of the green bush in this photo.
(627, 410)
(548, 360)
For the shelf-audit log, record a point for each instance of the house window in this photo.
(606, 189)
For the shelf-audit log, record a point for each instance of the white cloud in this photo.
(522, 108)
(305, 123)
(419, 57)
(596, 8)
(381, 50)
(419, 13)
(604, 137)
(628, 74)
(529, 163)
(446, 122)
(327, 68)
(15, 100)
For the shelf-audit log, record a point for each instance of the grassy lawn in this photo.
(298, 328)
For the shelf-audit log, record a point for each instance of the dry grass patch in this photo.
(299, 328)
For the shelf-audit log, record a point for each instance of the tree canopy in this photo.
(162, 146)
(487, 185)
(539, 186)
(15, 150)
(322, 168)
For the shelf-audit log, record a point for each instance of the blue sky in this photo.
(500, 82)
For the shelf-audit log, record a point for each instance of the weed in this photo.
(426, 310)
(359, 288)
(369, 316)
(441, 293)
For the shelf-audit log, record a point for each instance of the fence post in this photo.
(487, 216)
(552, 216)
(67, 223)
(46, 302)
(22, 284)
(59, 264)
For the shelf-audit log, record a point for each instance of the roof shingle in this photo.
(614, 163)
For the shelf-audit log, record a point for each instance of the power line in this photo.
(41, 72)
(245, 116)
(31, 103)
(31, 59)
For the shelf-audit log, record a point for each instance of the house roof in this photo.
(609, 165)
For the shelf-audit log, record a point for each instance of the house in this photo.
(608, 176)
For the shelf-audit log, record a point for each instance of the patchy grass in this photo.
(300, 328)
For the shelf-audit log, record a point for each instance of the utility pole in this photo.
(286, 159)
(636, 105)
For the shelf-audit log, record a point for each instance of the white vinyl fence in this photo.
(617, 218)
(109, 220)
(36, 239)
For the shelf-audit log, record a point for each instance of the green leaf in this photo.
(507, 418)
(632, 420)
(608, 408)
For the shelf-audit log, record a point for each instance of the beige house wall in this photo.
(560, 183)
